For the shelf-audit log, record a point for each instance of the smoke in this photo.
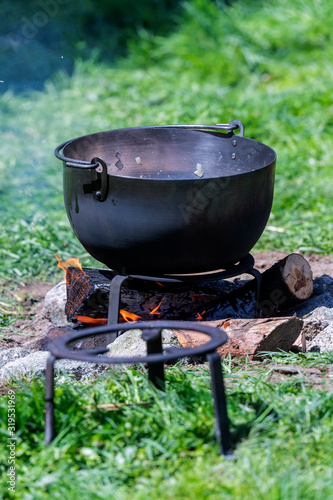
(32, 45)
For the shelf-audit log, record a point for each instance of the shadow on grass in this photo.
(245, 414)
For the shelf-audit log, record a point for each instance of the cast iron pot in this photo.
(176, 199)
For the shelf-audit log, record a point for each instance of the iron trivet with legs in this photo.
(155, 359)
(245, 266)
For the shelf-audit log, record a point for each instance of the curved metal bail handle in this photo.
(228, 127)
(101, 176)
(71, 162)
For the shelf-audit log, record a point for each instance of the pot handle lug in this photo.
(100, 177)
(237, 124)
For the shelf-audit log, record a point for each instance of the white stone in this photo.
(322, 342)
(35, 364)
(54, 305)
(12, 354)
(322, 313)
(130, 344)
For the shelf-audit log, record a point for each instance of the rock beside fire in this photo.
(317, 315)
(130, 344)
(34, 365)
(18, 363)
(323, 342)
(54, 305)
(318, 329)
(12, 354)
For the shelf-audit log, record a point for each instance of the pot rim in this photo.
(94, 163)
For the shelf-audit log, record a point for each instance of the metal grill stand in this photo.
(245, 266)
(155, 359)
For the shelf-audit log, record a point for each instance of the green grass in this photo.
(280, 428)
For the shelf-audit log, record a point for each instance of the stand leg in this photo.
(153, 337)
(257, 276)
(220, 404)
(49, 400)
(114, 305)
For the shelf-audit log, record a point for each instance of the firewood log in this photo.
(249, 337)
(287, 283)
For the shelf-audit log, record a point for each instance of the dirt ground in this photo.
(32, 327)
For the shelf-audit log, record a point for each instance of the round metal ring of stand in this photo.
(155, 359)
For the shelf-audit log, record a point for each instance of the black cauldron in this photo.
(176, 199)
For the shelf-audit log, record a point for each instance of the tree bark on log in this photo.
(249, 337)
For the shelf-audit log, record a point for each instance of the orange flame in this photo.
(199, 316)
(92, 321)
(72, 261)
(127, 316)
(155, 311)
(159, 283)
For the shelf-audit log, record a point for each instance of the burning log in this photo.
(248, 337)
(286, 283)
(88, 296)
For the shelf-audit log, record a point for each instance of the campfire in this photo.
(257, 323)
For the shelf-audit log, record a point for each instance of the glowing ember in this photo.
(159, 283)
(72, 261)
(199, 316)
(92, 321)
(156, 311)
(127, 316)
